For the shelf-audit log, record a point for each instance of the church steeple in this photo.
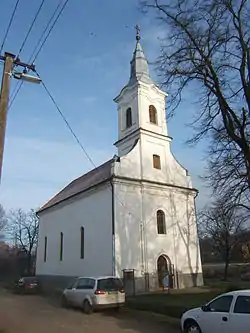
(141, 106)
(139, 66)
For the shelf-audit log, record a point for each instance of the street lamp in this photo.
(26, 77)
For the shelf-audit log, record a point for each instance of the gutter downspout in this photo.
(113, 227)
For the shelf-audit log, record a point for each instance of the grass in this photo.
(176, 302)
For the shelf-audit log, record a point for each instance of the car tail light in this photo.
(100, 292)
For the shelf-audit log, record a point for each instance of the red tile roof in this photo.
(81, 184)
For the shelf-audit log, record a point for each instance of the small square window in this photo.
(156, 161)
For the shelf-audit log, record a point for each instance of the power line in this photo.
(75, 136)
(67, 123)
(9, 25)
(15, 93)
(19, 85)
(30, 28)
(51, 28)
(45, 29)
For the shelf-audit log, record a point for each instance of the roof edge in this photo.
(41, 210)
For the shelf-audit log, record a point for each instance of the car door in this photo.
(240, 316)
(80, 291)
(70, 291)
(215, 317)
(84, 290)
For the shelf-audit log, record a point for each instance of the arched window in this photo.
(128, 117)
(161, 224)
(82, 242)
(156, 161)
(152, 114)
(61, 246)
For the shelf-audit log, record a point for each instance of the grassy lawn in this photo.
(176, 302)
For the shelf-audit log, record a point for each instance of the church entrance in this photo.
(164, 268)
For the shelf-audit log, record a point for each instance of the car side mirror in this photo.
(205, 308)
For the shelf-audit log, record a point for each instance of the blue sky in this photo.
(84, 63)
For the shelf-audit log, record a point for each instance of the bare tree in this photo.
(224, 226)
(207, 50)
(23, 228)
(2, 221)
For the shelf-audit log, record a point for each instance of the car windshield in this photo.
(109, 284)
(71, 284)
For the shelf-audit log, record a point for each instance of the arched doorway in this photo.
(164, 267)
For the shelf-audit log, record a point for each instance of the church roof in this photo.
(139, 70)
(88, 180)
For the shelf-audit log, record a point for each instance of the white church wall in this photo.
(132, 245)
(130, 100)
(150, 95)
(93, 211)
(128, 165)
(171, 171)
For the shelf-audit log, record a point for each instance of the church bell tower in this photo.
(141, 105)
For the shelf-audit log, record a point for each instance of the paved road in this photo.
(29, 314)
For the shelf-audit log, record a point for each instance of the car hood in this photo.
(192, 312)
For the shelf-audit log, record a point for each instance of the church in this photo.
(133, 216)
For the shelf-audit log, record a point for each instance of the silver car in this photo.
(92, 293)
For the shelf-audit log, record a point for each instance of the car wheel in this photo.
(65, 302)
(87, 307)
(192, 327)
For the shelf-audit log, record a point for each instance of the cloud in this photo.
(88, 99)
(35, 169)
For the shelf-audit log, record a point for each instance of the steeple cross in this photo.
(138, 30)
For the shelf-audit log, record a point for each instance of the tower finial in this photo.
(138, 36)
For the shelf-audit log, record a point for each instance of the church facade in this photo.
(134, 216)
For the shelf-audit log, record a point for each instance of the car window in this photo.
(242, 305)
(221, 304)
(85, 283)
(109, 284)
(72, 284)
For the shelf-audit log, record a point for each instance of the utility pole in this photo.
(4, 101)
(9, 61)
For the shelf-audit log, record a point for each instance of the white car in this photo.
(92, 293)
(227, 313)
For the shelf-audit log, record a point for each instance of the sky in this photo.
(84, 63)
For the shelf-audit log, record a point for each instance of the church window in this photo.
(61, 246)
(161, 224)
(156, 161)
(45, 249)
(82, 242)
(152, 114)
(128, 117)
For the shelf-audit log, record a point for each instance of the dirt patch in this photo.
(29, 314)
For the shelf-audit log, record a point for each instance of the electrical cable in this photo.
(30, 28)
(15, 93)
(9, 25)
(19, 85)
(74, 135)
(45, 29)
(51, 28)
(67, 123)
(142, 224)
